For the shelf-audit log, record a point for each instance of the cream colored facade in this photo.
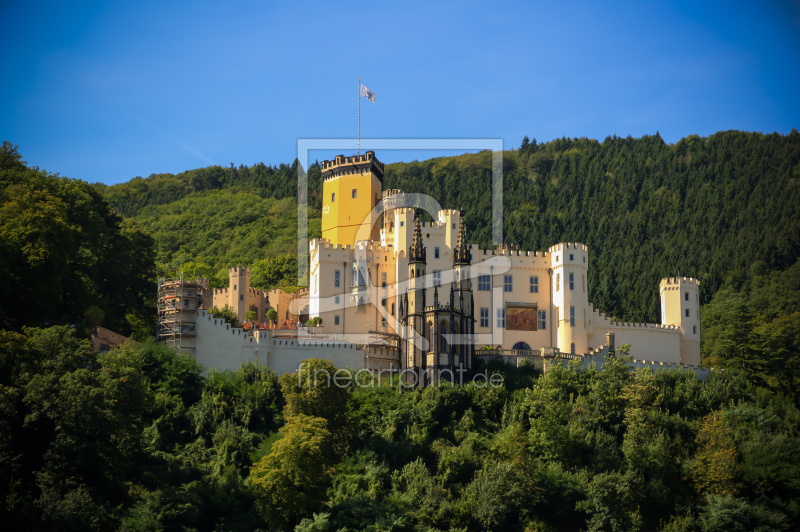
(354, 285)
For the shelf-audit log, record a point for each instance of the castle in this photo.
(376, 266)
(393, 292)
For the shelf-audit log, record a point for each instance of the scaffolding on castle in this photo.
(179, 300)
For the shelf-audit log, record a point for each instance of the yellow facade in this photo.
(350, 191)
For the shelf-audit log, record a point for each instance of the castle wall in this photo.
(222, 347)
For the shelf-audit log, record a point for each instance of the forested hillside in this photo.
(703, 207)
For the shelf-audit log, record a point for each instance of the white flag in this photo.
(368, 94)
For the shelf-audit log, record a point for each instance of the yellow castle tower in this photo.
(351, 188)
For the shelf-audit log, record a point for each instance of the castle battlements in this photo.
(568, 245)
(355, 164)
(680, 280)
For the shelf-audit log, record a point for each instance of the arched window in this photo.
(443, 340)
(521, 346)
(572, 348)
(412, 272)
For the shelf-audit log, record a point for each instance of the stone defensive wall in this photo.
(601, 354)
(222, 347)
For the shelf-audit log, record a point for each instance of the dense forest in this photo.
(703, 207)
(137, 439)
(141, 438)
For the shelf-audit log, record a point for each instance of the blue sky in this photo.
(108, 91)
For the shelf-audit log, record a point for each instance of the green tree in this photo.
(226, 313)
(291, 481)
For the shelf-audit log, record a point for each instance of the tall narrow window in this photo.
(508, 284)
(534, 285)
(686, 296)
(558, 282)
(392, 309)
(571, 256)
(435, 253)
(354, 280)
(336, 278)
(687, 312)
(501, 318)
(542, 320)
(484, 317)
(443, 340)
(584, 318)
(572, 281)
(355, 193)
(437, 278)
(583, 282)
(383, 279)
(572, 348)
(336, 299)
(333, 197)
(336, 319)
(572, 316)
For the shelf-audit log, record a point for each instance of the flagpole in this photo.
(359, 115)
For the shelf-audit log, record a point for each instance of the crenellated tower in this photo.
(570, 263)
(680, 306)
(351, 188)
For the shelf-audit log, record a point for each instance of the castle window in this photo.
(392, 309)
(336, 276)
(186, 303)
(686, 296)
(383, 322)
(687, 312)
(542, 320)
(336, 319)
(437, 277)
(558, 282)
(442, 339)
(435, 253)
(501, 318)
(572, 281)
(336, 299)
(402, 223)
(333, 197)
(484, 282)
(355, 193)
(584, 259)
(484, 317)
(694, 329)
(534, 285)
(584, 318)
(571, 257)
(572, 316)
(354, 280)
(383, 279)
(241, 297)
(454, 225)
(234, 287)
(383, 302)
(572, 348)
(508, 284)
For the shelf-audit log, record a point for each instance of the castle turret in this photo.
(680, 306)
(571, 296)
(351, 188)
(416, 351)
(239, 283)
(462, 258)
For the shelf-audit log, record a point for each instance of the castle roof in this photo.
(461, 254)
(416, 253)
